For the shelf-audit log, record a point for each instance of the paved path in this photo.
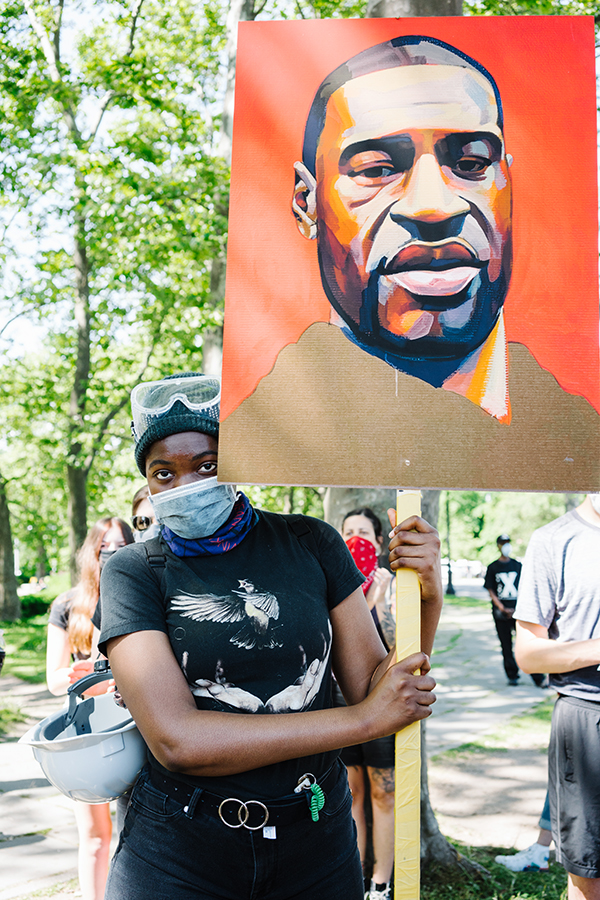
(38, 838)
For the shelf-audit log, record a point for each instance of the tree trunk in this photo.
(41, 568)
(77, 470)
(339, 501)
(392, 9)
(212, 338)
(76, 515)
(239, 11)
(10, 605)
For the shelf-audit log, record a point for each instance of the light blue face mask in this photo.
(194, 510)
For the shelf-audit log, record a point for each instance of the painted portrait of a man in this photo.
(433, 324)
(405, 185)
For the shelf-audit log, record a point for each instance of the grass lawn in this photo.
(465, 602)
(9, 715)
(26, 638)
(499, 884)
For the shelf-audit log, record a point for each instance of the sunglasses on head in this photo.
(142, 523)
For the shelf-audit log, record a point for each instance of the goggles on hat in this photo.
(153, 399)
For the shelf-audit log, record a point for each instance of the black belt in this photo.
(250, 814)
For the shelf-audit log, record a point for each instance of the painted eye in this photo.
(472, 165)
(376, 172)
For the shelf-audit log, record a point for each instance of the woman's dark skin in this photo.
(384, 696)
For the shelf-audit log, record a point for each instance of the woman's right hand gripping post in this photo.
(401, 693)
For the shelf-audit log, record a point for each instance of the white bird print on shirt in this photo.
(255, 609)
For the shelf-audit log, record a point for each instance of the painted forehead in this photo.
(414, 97)
(401, 52)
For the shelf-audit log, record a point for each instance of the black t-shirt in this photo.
(503, 579)
(59, 616)
(250, 628)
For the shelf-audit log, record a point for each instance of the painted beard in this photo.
(430, 358)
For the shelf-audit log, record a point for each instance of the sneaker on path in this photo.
(533, 859)
(378, 892)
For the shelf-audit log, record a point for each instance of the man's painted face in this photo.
(413, 209)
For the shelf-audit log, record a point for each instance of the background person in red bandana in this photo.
(372, 764)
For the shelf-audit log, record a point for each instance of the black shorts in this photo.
(379, 754)
(574, 785)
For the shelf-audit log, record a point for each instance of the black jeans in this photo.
(171, 852)
(505, 628)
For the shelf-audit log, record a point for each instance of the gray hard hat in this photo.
(91, 750)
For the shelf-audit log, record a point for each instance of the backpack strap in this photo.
(304, 533)
(156, 559)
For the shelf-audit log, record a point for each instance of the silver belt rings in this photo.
(243, 813)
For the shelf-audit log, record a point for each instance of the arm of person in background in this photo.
(376, 595)
(498, 603)
(535, 652)
(58, 661)
(200, 742)
(61, 673)
(385, 605)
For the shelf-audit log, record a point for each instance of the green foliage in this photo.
(498, 884)
(34, 605)
(329, 9)
(465, 602)
(306, 500)
(9, 716)
(117, 202)
(26, 649)
(477, 518)
(532, 8)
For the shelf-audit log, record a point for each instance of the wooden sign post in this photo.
(407, 854)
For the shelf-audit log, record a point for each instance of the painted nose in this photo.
(427, 196)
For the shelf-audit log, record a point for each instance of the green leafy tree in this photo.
(108, 171)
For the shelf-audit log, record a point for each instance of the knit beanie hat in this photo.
(148, 427)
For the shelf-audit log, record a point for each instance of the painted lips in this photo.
(438, 271)
(433, 283)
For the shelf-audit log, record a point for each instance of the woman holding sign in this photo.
(222, 634)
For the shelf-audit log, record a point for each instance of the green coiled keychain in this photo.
(317, 802)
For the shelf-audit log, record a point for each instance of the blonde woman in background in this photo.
(70, 632)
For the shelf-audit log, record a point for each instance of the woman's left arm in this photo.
(357, 649)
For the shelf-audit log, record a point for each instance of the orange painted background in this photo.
(544, 68)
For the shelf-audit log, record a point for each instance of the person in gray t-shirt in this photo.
(558, 631)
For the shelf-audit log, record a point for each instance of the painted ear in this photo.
(304, 202)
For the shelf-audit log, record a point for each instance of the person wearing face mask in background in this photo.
(69, 646)
(221, 635)
(502, 583)
(558, 631)
(371, 766)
